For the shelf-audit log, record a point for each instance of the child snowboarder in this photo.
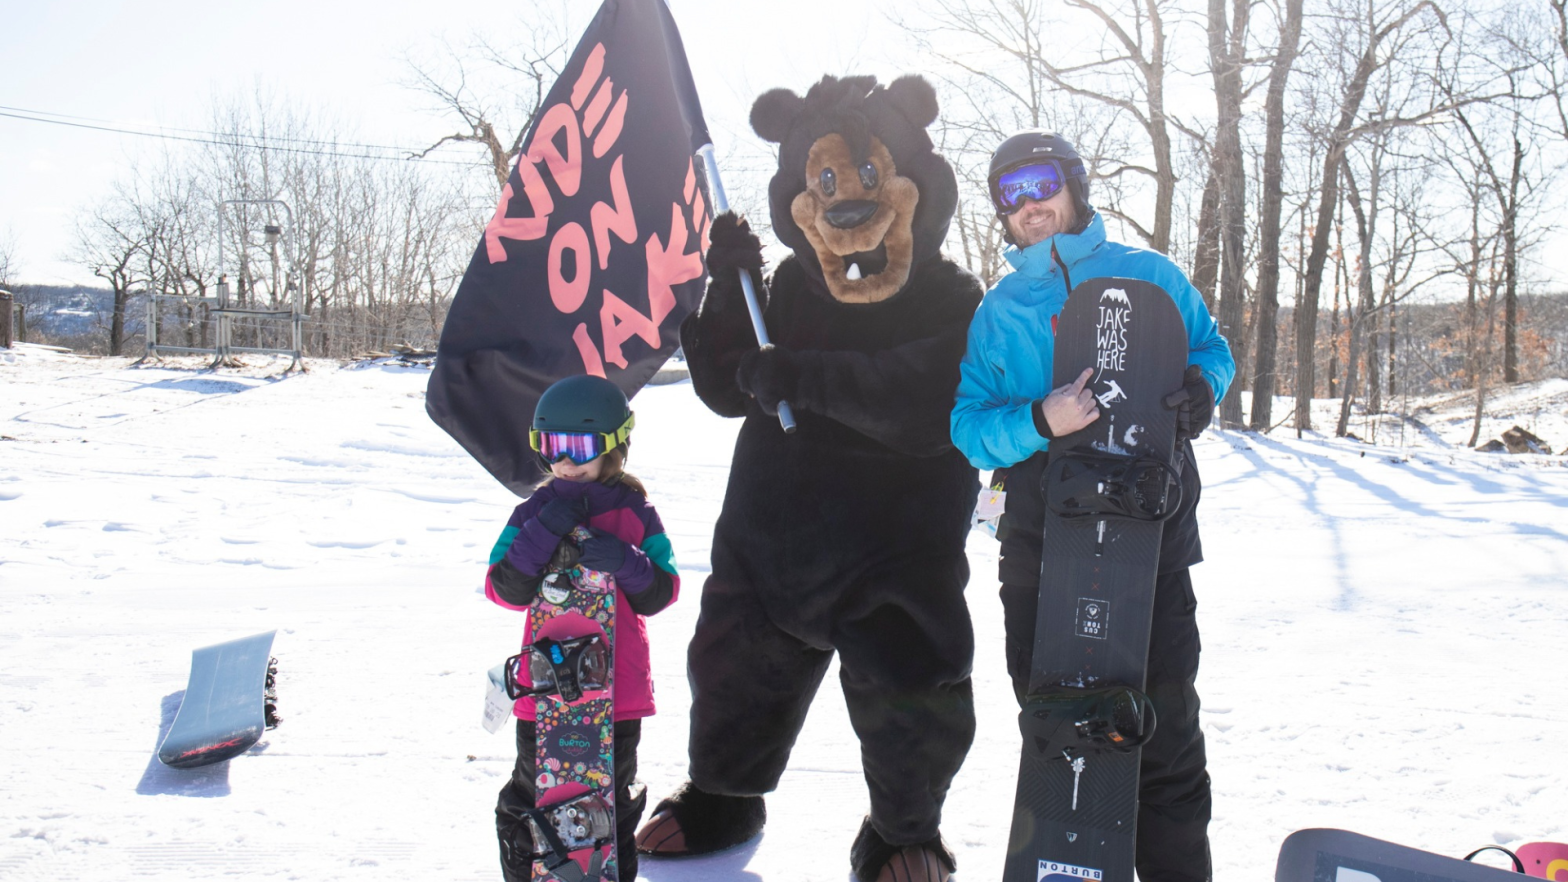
(581, 429)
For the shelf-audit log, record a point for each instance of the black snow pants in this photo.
(1174, 803)
(518, 796)
(905, 651)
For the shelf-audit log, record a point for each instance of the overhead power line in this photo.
(279, 144)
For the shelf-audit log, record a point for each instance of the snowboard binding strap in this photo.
(575, 824)
(1118, 718)
(564, 667)
(1082, 483)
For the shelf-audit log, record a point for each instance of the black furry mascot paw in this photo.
(770, 375)
(692, 822)
(874, 860)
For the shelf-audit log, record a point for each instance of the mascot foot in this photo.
(694, 822)
(874, 860)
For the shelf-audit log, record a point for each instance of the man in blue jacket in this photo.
(1005, 417)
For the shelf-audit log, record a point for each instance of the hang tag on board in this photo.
(498, 705)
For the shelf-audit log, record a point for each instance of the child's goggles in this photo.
(1039, 180)
(579, 447)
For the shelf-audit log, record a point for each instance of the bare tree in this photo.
(987, 53)
(110, 241)
(1264, 380)
(493, 90)
(1501, 149)
(8, 262)
(1227, 56)
(1044, 79)
(1383, 38)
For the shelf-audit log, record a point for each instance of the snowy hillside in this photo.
(1384, 633)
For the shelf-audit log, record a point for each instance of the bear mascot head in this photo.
(860, 195)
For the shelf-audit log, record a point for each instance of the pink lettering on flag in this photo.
(567, 168)
(568, 296)
(614, 218)
(620, 322)
(597, 107)
(669, 266)
(521, 229)
(590, 75)
(612, 128)
(585, 348)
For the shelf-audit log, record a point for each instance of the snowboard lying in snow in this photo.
(1340, 856)
(228, 703)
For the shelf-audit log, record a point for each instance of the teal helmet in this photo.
(581, 417)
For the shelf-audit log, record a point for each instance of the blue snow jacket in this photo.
(1007, 371)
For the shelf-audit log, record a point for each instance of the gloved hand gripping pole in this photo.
(721, 204)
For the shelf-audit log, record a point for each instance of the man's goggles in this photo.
(579, 447)
(1039, 180)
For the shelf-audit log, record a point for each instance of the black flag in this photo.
(594, 254)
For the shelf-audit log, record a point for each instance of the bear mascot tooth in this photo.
(847, 536)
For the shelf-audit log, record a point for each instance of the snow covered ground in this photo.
(1384, 630)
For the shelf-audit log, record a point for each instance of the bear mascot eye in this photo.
(868, 176)
(830, 182)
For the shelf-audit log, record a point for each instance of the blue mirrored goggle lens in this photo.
(579, 447)
(1039, 182)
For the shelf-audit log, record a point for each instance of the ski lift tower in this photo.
(288, 307)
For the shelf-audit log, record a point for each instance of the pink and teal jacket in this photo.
(646, 583)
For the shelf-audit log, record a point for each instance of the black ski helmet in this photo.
(583, 403)
(1033, 144)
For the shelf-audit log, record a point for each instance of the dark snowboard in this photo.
(226, 703)
(1341, 856)
(1105, 488)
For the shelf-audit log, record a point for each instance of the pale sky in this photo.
(163, 61)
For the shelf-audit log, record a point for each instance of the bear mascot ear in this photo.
(775, 112)
(912, 95)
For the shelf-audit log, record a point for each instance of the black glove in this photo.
(732, 246)
(604, 553)
(1194, 403)
(565, 557)
(560, 515)
(770, 375)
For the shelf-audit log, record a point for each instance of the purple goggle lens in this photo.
(1038, 181)
(579, 447)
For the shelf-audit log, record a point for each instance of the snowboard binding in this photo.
(269, 695)
(575, 824)
(559, 667)
(1117, 718)
(1082, 483)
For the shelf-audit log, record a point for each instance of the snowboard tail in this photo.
(228, 703)
(1108, 490)
(1325, 855)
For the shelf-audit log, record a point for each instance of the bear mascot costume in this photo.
(848, 535)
